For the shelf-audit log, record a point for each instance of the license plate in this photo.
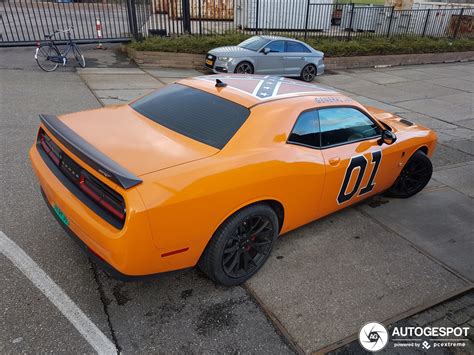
(209, 62)
(61, 215)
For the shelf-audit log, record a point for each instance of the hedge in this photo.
(331, 47)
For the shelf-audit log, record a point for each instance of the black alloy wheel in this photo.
(414, 176)
(248, 247)
(308, 73)
(241, 245)
(244, 68)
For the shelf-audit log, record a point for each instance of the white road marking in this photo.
(57, 296)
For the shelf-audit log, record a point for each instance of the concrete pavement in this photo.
(428, 238)
(323, 281)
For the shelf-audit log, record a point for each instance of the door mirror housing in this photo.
(266, 50)
(388, 137)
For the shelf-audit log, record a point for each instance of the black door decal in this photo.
(359, 163)
(376, 158)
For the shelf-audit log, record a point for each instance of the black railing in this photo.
(27, 21)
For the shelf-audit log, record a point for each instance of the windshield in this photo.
(254, 43)
(193, 113)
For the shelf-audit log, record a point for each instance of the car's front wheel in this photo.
(414, 176)
(244, 68)
(241, 245)
(308, 73)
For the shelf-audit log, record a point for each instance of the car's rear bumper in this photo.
(104, 265)
(320, 69)
(128, 253)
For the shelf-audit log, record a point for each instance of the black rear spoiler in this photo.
(88, 153)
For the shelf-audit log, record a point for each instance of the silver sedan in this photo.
(268, 55)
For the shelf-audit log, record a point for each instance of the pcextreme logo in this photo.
(373, 337)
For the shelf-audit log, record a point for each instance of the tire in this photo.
(79, 57)
(308, 73)
(233, 255)
(244, 68)
(414, 176)
(42, 55)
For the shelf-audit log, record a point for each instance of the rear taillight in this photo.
(99, 196)
(46, 144)
(96, 190)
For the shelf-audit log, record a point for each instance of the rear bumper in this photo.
(320, 69)
(128, 253)
(94, 257)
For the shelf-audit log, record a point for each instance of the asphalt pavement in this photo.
(187, 313)
(376, 261)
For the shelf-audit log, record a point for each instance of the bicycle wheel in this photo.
(79, 57)
(43, 56)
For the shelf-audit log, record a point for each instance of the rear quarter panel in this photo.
(186, 204)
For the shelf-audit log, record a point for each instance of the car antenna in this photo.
(220, 84)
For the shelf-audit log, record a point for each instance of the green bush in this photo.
(331, 47)
(393, 45)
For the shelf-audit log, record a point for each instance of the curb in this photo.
(188, 60)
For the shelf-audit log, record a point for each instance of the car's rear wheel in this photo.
(414, 176)
(308, 73)
(244, 68)
(241, 245)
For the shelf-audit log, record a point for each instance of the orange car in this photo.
(210, 170)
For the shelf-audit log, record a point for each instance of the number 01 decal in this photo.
(359, 163)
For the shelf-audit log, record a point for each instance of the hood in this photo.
(135, 142)
(398, 124)
(230, 51)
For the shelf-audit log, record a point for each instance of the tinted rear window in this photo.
(193, 113)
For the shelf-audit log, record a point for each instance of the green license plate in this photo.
(61, 215)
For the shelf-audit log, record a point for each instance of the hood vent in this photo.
(406, 122)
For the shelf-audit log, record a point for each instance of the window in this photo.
(345, 124)
(296, 47)
(276, 46)
(254, 43)
(306, 129)
(203, 117)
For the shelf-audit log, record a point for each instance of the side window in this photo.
(306, 129)
(296, 47)
(276, 46)
(345, 124)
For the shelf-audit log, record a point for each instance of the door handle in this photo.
(334, 161)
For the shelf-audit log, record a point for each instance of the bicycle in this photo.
(48, 56)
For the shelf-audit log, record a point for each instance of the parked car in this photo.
(268, 55)
(209, 171)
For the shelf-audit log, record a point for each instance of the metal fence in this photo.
(24, 22)
(27, 21)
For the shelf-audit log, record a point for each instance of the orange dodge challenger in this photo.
(210, 170)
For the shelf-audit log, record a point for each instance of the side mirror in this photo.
(266, 50)
(388, 137)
